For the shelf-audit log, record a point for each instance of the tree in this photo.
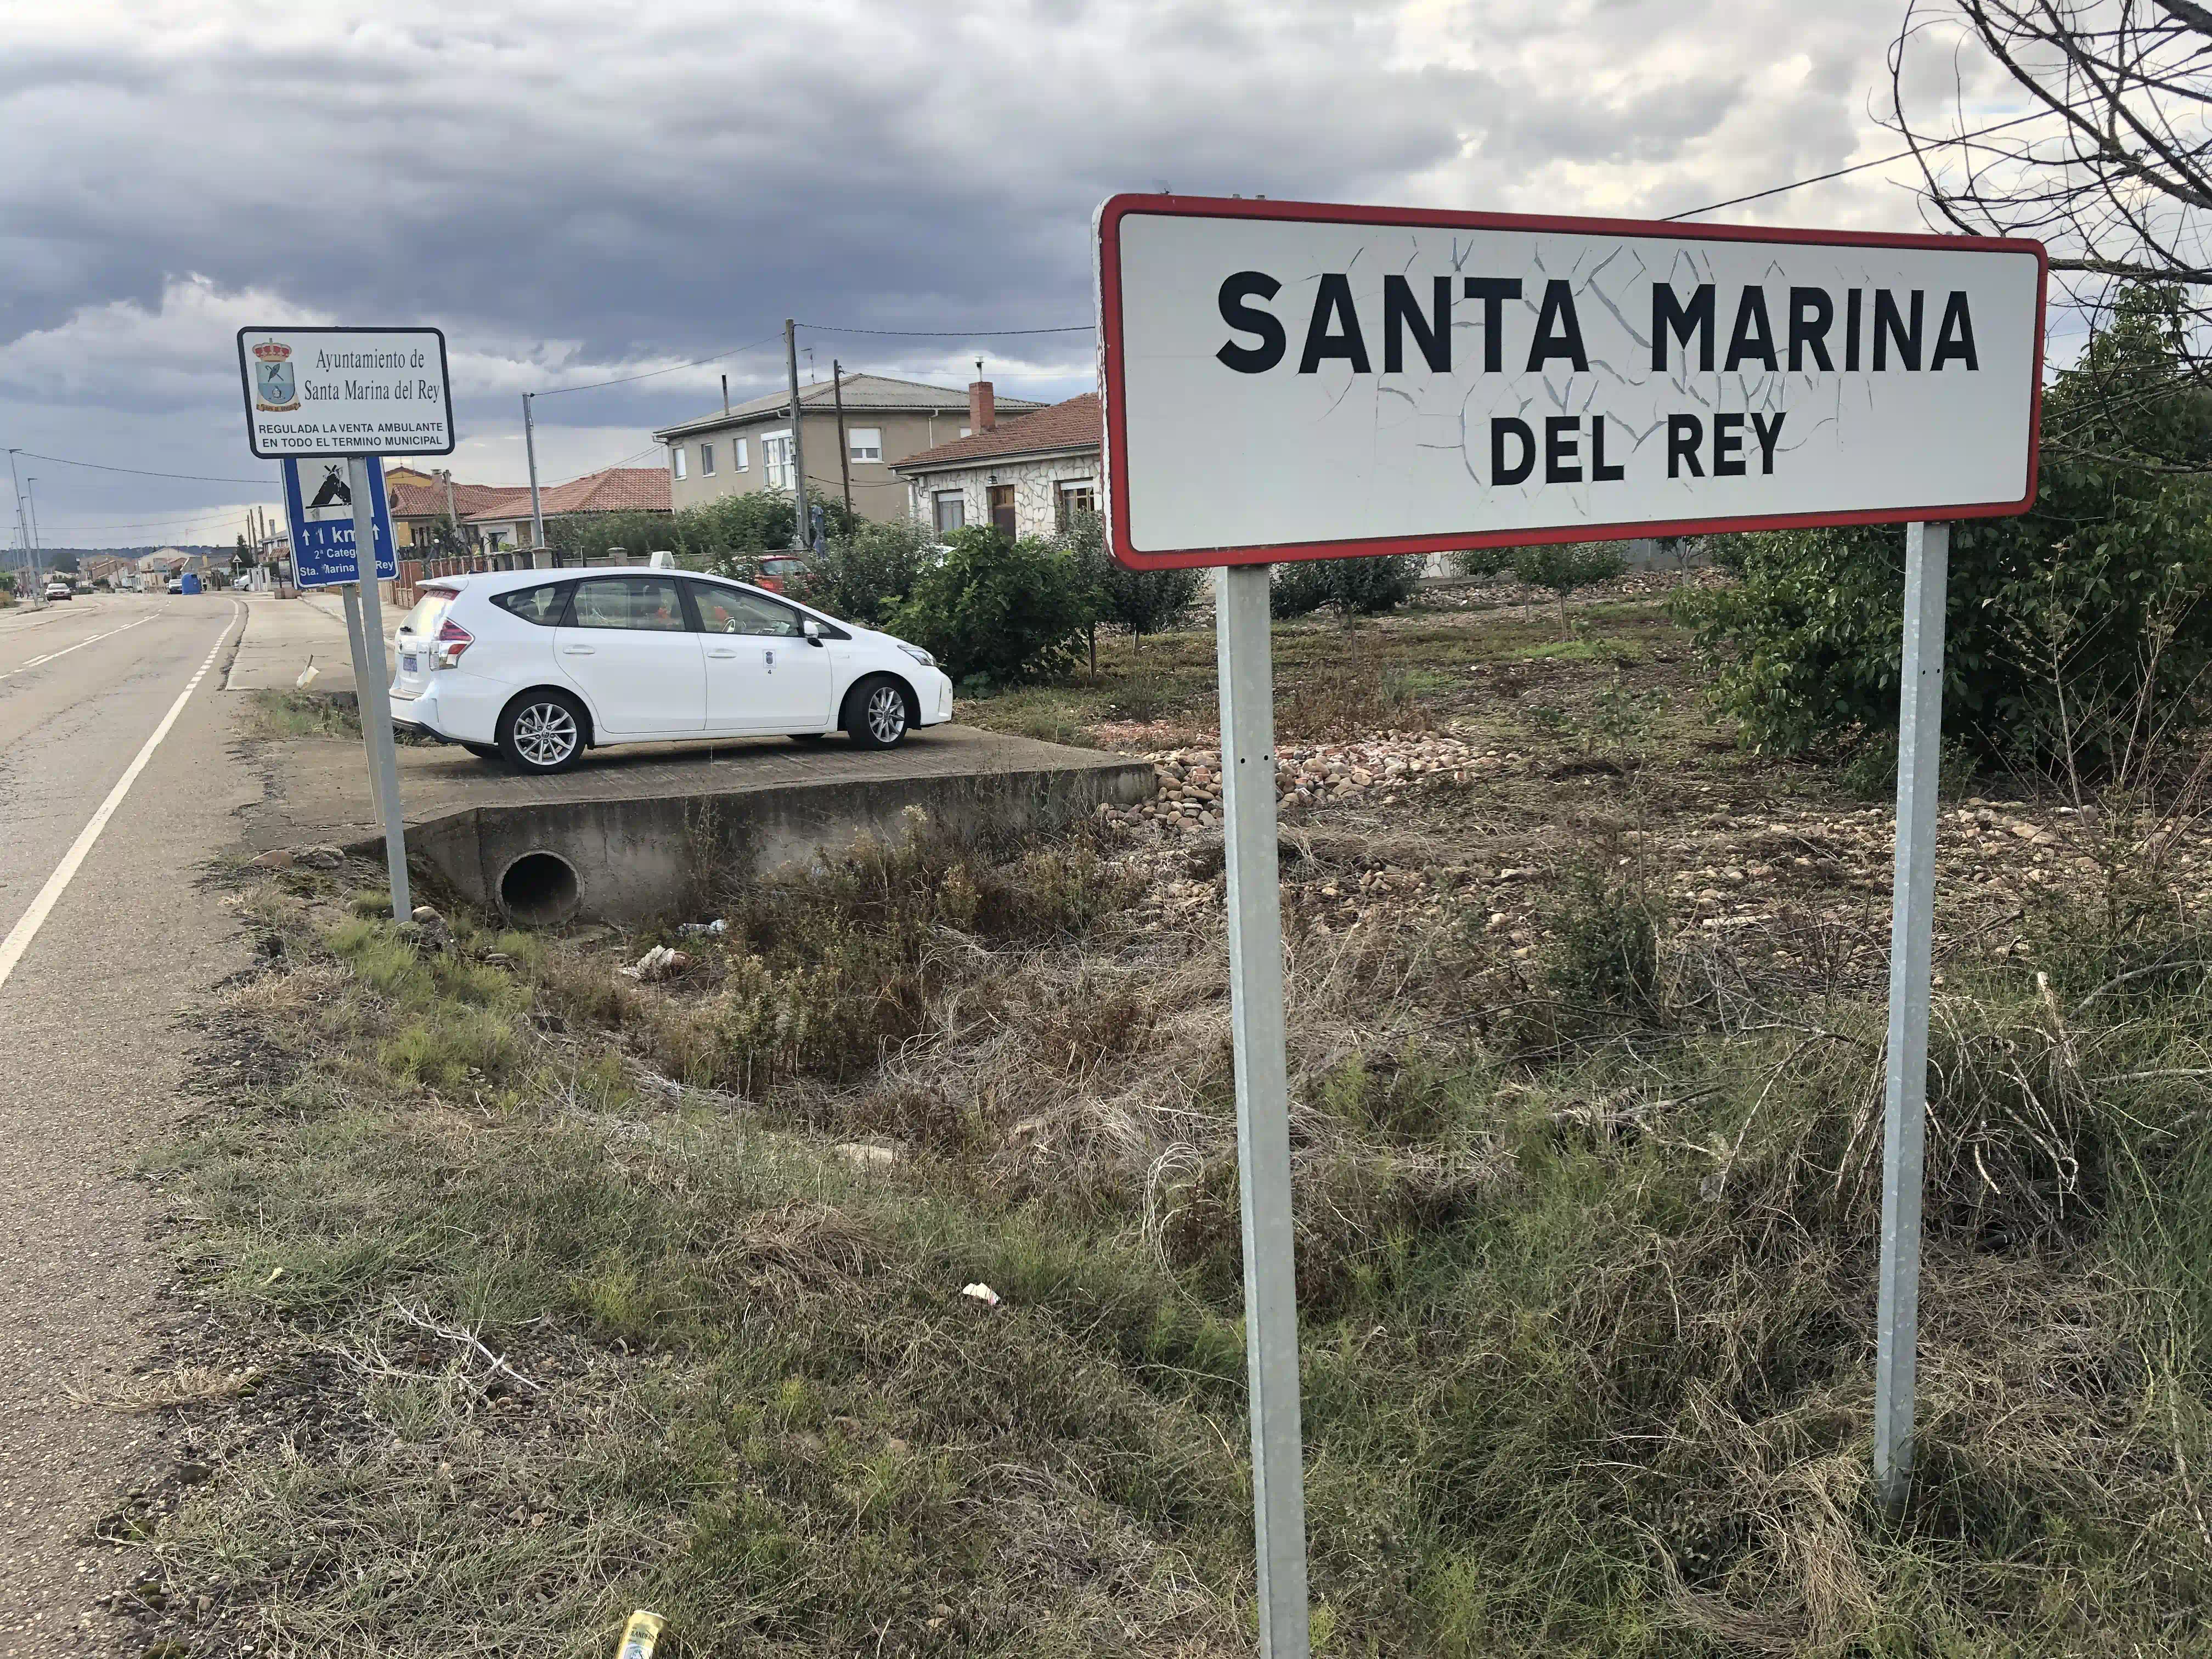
(2115, 176)
(62, 564)
(1563, 567)
(1142, 601)
(996, 610)
(1359, 586)
(2079, 638)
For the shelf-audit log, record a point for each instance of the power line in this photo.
(140, 472)
(951, 333)
(624, 379)
(1855, 167)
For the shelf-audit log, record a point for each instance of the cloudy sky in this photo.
(576, 192)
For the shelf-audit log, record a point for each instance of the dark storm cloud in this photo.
(575, 190)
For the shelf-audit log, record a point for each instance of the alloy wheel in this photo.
(545, 734)
(886, 714)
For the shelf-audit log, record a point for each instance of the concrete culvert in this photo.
(539, 890)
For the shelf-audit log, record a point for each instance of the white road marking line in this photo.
(35, 661)
(27, 927)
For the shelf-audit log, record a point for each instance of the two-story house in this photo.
(747, 447)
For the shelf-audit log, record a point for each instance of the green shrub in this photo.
(2077, 633)
(1479, 563)
(863, 571)
(1604, 949)
(722, 535)
(1364, 586)
(996, 610)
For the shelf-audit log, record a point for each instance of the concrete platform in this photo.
(284, 637)
(633, 833)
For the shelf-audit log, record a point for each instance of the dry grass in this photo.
(1587, 1277)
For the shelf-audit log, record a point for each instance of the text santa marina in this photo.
(1413, 324)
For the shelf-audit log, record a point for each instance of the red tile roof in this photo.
(1077, 423)
(413, 501)
(616, 489)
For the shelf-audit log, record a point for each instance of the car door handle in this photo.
(719, 655)
(579, 650)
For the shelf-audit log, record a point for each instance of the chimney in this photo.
(982, 411)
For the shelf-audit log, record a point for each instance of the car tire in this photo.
(484, 750)
(544, 731)
(878, 713)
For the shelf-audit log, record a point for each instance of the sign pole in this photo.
(371, 691)
(1263, 1118)
(1919, 753)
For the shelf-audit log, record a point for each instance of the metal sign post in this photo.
(1911, 930)
(1263, 1103)
(350, 395)
(374, 693)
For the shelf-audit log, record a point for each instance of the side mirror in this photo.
(813, 629)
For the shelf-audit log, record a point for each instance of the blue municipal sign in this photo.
(320, 504)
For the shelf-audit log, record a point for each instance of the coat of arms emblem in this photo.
(275, 390)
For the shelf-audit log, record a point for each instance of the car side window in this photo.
(543, 605)
(649, 603)
(734, 610)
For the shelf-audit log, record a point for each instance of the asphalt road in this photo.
(90, 1055)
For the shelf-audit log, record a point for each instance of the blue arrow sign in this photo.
(319, 503)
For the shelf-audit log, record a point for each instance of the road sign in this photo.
(1286, 380)
(345, 392)
(319, 503)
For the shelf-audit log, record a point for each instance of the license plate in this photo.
(410, 665)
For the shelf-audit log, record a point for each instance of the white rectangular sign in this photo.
(1287, 381)
(346, 391)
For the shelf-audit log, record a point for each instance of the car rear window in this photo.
(429, 611)
(543, 605)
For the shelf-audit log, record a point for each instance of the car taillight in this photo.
(452, 640)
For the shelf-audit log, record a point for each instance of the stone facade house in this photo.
(747, 447)
(1025, 475)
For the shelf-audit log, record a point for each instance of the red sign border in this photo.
(1107, 243)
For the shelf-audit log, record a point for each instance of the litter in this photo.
(640, 1635)
(717, 928)
(658, 963)
(982, 1293)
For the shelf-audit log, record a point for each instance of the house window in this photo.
(866, 443)
(1002, 508)
(739, 459)
(706, 460)
(951, 510)
(1076, 495)
(676, 460)
(776, 457)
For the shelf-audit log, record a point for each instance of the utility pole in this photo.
(536, 512)
(799, 539)
(38, 594)
(31, 497)
(844, 449)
